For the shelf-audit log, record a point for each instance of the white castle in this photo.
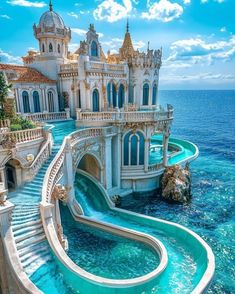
(112, 136)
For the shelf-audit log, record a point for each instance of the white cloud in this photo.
(27, 3)
(73, 14)
(199, 51)
(5, 16)
(112, 11)
(163, 10)
(187, 1)
(223, 29)
(79, 32)
(73, 47)
(218, 1)
(8, 58)
(196, 77)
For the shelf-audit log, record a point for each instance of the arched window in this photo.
(36, 101)
(146, 94)
(134, 148)
(112, 94)
(50, 48)
(50, 97)
(43, 48)
(94, 49)
(58, 48)
(154, 100)
(131, 94)
(95, 100)
(25, 97)
(121, 96)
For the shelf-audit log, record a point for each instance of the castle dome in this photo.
(51, 19)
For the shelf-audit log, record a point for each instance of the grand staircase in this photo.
(32, 246)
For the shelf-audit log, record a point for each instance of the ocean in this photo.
(206, 118)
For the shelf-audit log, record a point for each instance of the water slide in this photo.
(190, 260)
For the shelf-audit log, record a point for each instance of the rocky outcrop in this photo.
(176, 184)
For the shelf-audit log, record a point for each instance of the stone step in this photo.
(27, 229)
(28, 235)
(37, 264)
(33, 247)
(35, 256)
(24, 221)
(33, 240)
(34, 251)
(25, 225)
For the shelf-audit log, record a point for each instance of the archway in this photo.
(13, 174)
(90, 164)
(121, 96)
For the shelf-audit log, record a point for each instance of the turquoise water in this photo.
(187, 260)
(206, 118)
(105, 254)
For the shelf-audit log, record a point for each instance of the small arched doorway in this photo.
(13, 174)
(90, 164)
(95, 100)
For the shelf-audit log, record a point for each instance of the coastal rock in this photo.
(176, 184)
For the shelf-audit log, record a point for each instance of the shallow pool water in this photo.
(105, 254)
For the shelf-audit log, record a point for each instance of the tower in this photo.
(52, 34)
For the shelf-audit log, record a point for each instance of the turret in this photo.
(52, 34)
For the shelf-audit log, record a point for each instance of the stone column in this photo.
(3, 178)
(116, 159)
(146, 154)
(166, 136)
(5, 222)
(108, 161)
(68, 170)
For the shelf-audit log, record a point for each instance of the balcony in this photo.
(92, 66)
(119, 117)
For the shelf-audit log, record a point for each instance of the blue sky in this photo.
(197, 36)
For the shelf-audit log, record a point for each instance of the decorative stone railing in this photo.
(10, 139)
(124, 116)
(42, 156)
(4, 123)
(54, 172)
(49, 116)
(105, 67)
(70, 67)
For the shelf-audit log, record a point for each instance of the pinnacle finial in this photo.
(51, 6)
(127, 26)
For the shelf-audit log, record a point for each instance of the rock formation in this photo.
(176, 184)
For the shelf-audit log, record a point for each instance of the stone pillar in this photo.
(5, 219)
(146, 154)
(108, 161)
(68, 170)
(67, 110)
(116, 159)
(3, 178)
(166, 136)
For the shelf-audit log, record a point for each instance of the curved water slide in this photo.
(191, 261)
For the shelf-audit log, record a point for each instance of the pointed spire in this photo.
(148, 45)
(50, 6)
(127, 26)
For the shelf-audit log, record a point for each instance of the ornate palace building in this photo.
(99, 134)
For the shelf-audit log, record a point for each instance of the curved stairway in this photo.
(33, 249)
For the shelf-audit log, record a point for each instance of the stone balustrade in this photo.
(54, 171)
(42, 156)
(124, 116)
(10, 139)
(70, 67)
(4, 123)
(105, 67)
(49, 116)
